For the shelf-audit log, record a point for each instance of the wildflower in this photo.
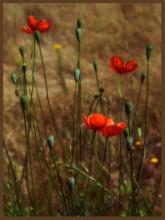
(95, 121)
(57, 46)
(118, 66)
(34, 25)
(154, 160)
(138, 143)
(111, 129)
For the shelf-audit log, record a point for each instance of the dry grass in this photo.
(106, 27)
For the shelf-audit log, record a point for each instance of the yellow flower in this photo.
(138, 143)
(154, 160)
(57, 46)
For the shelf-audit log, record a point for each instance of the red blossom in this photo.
(112, 129)
(117, 65)
(95, 121)
(34, 25)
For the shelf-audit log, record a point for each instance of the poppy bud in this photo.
(37, 36)
(126, 132)
(24, 102)
(129, 142)
(14, 78)
(128, 106)
(149, 48)
(95, 65)
(101, 89)
(76, 75)
(78, 33)
(50, 141)
(143, 76)
(71, 183)
(24, 67)
(139, 132)
(79, 23)
(21, 50)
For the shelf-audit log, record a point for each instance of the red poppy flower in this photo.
(34, 25)
(112, 129)
(118, 66)
(95, 121)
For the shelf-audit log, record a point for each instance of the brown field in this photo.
(106, 29)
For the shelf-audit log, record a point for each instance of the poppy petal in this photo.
(32, 22)
(130, 66)
(121, 125)
(113, 130)
(27, 30)
(86, 121)
(43, 26)
(116, 64)
(97, 121)
(109, 122)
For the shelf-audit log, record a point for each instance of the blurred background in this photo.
(108, 29)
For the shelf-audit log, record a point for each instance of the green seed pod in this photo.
(37, 36)
(24, 102)
(76, 75)
(139, 132)
(126, 132)
(128, 106)
(79, 23)
(24, 67)
(78, 33)
(71, 183)
(21, 50)
(149, 48)
(95, 65)
(101, 89)
(14, 78)
(50, 141)
(129, 142)
(143, 76)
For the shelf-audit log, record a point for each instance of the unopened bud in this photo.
(95, 65)
(143, 76)
(128, 106)
(21, 50)
(50, 141)
(129, 143)
(78, 33)
(71, 183)
(14, 78)
(24, 102)
(149, 48)
(76, 75)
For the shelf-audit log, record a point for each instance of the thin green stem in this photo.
(47, 95)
